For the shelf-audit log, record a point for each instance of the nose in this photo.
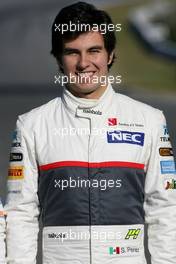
(83, 61)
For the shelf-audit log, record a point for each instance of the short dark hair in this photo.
(81, 13)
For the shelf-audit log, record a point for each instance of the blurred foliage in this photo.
(138, 66)
(171, 21)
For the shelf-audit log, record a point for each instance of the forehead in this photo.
(86, 40)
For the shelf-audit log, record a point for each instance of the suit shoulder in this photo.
(136, 108)
(39, 112)
(138, 105)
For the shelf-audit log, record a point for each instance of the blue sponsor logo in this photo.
(16, 139)
(14, 136)
(165, 128)
(127, 137)
(167, 167)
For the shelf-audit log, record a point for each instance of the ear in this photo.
(111, 57)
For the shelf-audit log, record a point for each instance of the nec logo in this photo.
(116, 136)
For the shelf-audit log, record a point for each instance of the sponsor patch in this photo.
(112, 121)
(123, 250)
(57, 235)
(165, 129)
(167, 167)
(16, 142)
(133, 233)
(166, 152)
(16, 156)
(130, 124)
(170, 184)
(164, 139)
(14, 190)
(127, 137)
(91, 111)
(15, 173)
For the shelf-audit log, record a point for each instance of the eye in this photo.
(94, 51)
(70, 52)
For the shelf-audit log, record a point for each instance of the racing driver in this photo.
(89, 163)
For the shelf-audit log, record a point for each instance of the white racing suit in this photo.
(2, 234)
(95, 171)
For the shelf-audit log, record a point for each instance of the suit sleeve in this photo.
(22, 204)
(160, 196)
(2, 235)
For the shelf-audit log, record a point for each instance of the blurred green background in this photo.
(141, 68)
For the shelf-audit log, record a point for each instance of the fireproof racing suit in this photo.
(95, 171)
(2, 234)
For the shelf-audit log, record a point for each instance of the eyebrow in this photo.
(96, 47)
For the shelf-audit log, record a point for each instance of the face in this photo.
(87, 60)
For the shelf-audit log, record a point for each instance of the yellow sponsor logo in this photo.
(16, 173)
(133, 233)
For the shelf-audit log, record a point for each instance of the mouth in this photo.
(85, 74)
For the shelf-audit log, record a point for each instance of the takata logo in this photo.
(128, 137)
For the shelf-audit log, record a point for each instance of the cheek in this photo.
(68, 64)
(102, 61)
(102, 64)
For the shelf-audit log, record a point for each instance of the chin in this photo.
(85, 88)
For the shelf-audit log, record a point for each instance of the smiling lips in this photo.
(85, 74)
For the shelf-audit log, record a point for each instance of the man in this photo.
(2, 234)
(95, 164)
